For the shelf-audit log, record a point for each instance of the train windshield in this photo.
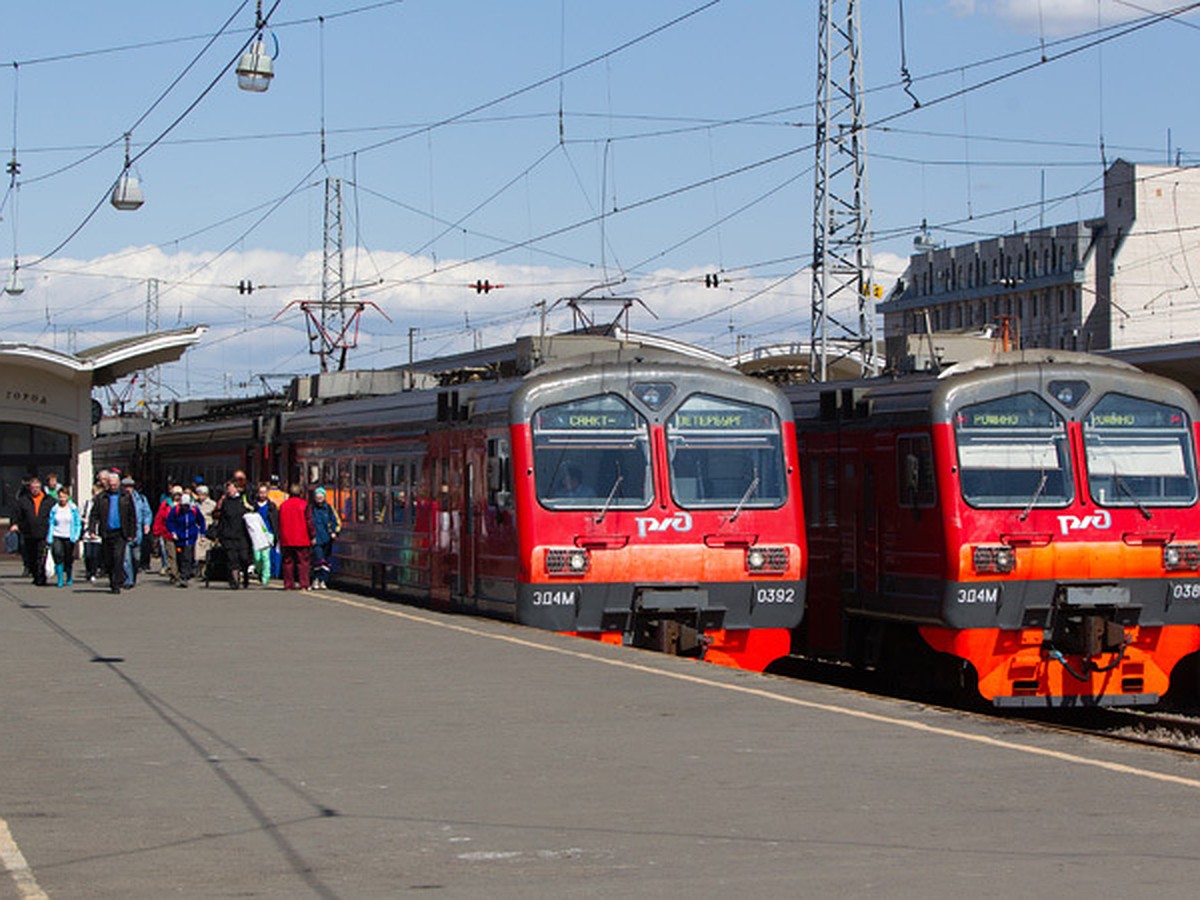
(1013, 452)
(1139, 453)
(591, 454)
(725, 454)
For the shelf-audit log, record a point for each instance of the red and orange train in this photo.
(1027, 526)
(633, 496)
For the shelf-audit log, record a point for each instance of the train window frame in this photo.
(563, 438)
(1126, 493)
(1033, 495)
(728, 426)
(916, 488)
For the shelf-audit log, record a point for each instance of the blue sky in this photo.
(685, 148)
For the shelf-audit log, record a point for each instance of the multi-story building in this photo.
(1127, 279)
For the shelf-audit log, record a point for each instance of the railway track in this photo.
(1177, 731)
(1173, 731)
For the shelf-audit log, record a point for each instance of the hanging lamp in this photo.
(255, 69)
(13, 287)
(127, 192)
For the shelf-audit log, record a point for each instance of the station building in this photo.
(1125, 283)
(47, 412)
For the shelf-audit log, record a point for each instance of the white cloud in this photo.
(1060, 17)
(74, 304)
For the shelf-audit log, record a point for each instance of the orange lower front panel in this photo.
(1015, 669)
(749, 649)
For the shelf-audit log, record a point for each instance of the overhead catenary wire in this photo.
(356, 179)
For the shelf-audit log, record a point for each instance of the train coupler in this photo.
(670, 636)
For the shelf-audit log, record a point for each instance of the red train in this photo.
(631, 496)
(1032, 521)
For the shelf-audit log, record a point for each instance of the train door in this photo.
(466, 559)
(442, 539)
(868, 554)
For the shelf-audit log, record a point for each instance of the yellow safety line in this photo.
(14, 863)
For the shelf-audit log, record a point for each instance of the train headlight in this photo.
(767, 559)
(1181, 556)
(568, 561)
(994, 558)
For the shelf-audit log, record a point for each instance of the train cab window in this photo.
(725, 454)
(1013, 452)
(1139, 453)
(592, 454)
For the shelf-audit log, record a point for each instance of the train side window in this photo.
(327, 470)
(499, 473)
(914, 478)
(362, 474)
(379, 474)
(400, 489)
(379, 505)
(344, 475)
(361, 500)
(314, 473)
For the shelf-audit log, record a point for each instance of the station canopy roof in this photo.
(106, 363)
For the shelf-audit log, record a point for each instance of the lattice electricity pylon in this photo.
(152, 381)
(333, 268)
(843, 301)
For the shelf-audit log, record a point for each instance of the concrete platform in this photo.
(211, 743)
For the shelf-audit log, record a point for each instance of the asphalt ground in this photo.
(263, 743)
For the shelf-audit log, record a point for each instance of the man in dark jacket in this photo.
(114, 518)
(32, 519)
(232, 535)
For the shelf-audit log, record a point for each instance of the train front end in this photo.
(1072, 532)
(659, 505)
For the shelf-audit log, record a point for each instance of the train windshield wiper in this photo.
(1034, 499)
(608, 501)
(1128, 492)
(737, 510)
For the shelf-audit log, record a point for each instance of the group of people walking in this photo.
(237, 537)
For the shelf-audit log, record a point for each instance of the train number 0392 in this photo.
(775, 595)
